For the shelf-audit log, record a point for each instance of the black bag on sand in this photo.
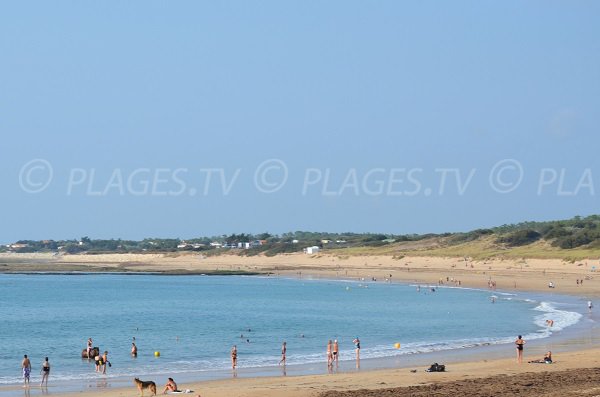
(435, 367)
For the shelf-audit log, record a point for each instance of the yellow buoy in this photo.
(157, 354)
(397, 345)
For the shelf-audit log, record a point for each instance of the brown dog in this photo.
(141, 385)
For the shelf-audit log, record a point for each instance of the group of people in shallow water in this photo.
(44, 371)
(333, 353)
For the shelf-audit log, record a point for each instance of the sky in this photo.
(182, 119)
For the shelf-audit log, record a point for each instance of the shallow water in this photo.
(194, 320)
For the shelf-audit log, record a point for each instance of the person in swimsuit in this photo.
(26, 365)
(133, 349)
(329, 353)
(546, 360)
(105, 362)
(336, 350)
(519, 342)
(89, 347)
(357, 346)
(170, 386)
(234, 356)
(283, 351)
(45, 372)
(98, 362)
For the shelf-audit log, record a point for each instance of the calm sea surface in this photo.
(194, 320)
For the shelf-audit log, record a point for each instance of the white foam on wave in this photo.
(561, 318)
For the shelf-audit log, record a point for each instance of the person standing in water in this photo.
(89, 347)
(519, 342)
(45, 372)
(336, 351)
(26, 365)
(283, 351)
(329, 353)
(356, 342)
(234, 357)
(133, 349)
(590, 306)
(105, 362)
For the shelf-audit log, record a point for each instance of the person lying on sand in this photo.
(546, 360)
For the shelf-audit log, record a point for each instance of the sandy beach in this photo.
(573, 373)
(509, 274)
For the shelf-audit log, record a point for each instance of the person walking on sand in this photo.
(234, 357)
(336, 351)
(283, 351)
(519, 342)
(45, 372)
(356, 342)
(26, 365)
(329, 353)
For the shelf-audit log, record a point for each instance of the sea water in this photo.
(193, 321)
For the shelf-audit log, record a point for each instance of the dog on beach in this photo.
(141, 385)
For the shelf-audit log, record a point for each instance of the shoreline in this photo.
(297, 384)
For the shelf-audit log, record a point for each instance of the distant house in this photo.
(18, 246)
(312, 250)
(244, 246)
(216, 244)
(185, 245)
(295, 241)
(325, 241)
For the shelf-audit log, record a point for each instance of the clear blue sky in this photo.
(138, 90)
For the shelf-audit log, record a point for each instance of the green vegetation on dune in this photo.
(572, 239)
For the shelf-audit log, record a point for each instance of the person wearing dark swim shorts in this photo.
(336, 351)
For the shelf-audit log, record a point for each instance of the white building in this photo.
(312, 250)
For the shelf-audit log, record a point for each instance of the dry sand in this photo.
(498, 377)
(526, 275)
